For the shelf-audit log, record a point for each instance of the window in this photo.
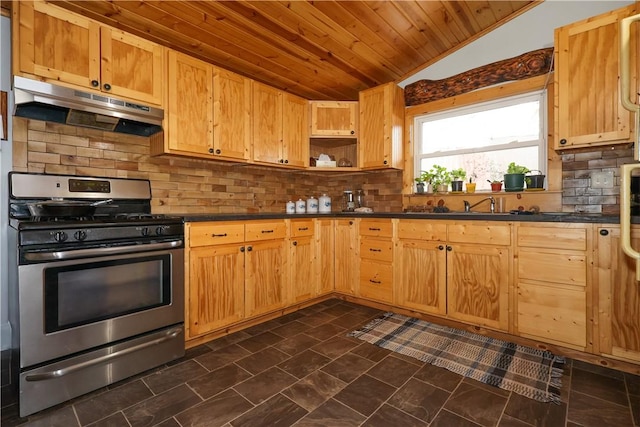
(484, 138)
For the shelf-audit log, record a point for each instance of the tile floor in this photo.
(302, 370)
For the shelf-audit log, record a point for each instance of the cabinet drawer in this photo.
(422, 230)
(206, 234)
(487, 233)
(264, 230)
(376, 228)
(300, 228)
(376, 281)
(376, 249)
(552, 237)
(552, 312)
(566, 268)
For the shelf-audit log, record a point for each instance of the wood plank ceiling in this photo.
(324, 49)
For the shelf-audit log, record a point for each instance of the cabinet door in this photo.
(265, 273)
(295, 131)
(618, 296)
(588, 108)
(334, 119)
(422, 279)
(190, 107)
(325, 263)
(56, 44)
(478, 284)
(216, 288)
(302, 277)
(346, 256)
(231, 115)
(131, 67)
(267, 124)
(381, 127)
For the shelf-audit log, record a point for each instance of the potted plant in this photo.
(514, 178)
(457, 179)
(496, 185)
(440, 178)
(421, 180)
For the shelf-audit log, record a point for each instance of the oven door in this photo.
(71, 306)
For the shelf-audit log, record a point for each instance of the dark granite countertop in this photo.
(542, 217)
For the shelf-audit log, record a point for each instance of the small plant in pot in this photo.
(457, 179)
(514, 178)
(422, 182)
(440, 178)
(496, 185)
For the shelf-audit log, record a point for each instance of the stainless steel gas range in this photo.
(96, 285)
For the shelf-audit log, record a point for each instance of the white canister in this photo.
(301, 206)
(312, 205)
(291, 207)
(325, 204)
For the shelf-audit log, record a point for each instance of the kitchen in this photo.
(182, 185)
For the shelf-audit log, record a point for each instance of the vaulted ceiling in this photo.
(324, 49)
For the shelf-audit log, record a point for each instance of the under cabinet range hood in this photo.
(44, 101)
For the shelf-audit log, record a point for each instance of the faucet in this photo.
(468, 206)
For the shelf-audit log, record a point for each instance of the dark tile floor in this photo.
(302, 370)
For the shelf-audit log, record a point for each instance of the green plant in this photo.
(424, 177)
(513, 168)
(458, 174)
(439, 175)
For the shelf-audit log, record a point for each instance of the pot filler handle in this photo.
(625, 214)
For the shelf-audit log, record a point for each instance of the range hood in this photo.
(44, 101)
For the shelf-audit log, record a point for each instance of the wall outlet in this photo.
(602, 179)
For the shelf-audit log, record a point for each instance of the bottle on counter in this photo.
(290, 207)
(324, 205)
(312, 205)
(301, 206)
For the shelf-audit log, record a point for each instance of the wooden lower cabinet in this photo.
(325, 261)
(376, 260)
(302, 278)
(346, 252)
(553, 265)
(478, 284)
(618, 296)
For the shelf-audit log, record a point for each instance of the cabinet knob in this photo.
(350, 222)
(449, 248)
(286, 161)
(249, 248)
(563, 141)
(107, 86)
(604, 232)
(281, 161)
(95, 83)
(241, 248)
(441, 247)
(210, 150)
(218, 151)
(385, 162)
(353, 132)
(295, 243)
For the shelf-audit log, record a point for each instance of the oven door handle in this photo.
(115, 250)
(169, 335)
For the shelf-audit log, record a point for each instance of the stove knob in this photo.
(80, 235)
(145, 231)
(60, 236)
(159, 231)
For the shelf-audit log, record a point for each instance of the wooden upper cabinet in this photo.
(334, 119)
(207, 111)
(231, 115)
(588, 111)
(381, 127)
(189, 115)
(279, 127)
(63, 47)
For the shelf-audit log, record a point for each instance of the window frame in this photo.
(539, 94)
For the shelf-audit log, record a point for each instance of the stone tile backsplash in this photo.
(184, 185)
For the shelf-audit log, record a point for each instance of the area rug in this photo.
(527, 371)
